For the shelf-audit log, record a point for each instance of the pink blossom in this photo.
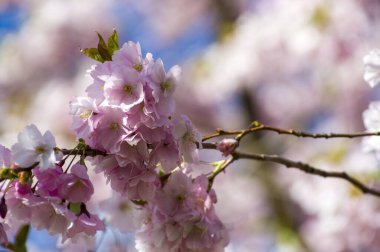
(129, 55)
(22, 189)
(53, 217)
(371, 119)
(82, 109)
(227, 146)
(188, 138)
(80, 242)
(138, 116)
(157, 110)
(19, 207)
(34, 147)
(372, 67)
(166, 153)
(182, 218)
(147, 134)
(76, 186)
(174, 194)
(163, 84)
(100, 74)
(132, 153)
(143, 184)
(49, 181)
(109, 129)
(5, 157)
(87, 224)
(135, 181)
(120, 213)
(124, 88)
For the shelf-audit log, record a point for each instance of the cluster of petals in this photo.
(182, 218)
(129, 100)
(372, 67)
(128, 113)
(371, 116)
(33, 147)
(47, 205)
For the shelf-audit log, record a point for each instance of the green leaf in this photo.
(113, 43)
(75, 207)
(92, 53)
(103, 49)
(21, 237)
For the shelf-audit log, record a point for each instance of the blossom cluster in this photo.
(371, 116)
(48, 200)
(145, 154)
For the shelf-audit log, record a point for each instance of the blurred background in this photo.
(286, 63)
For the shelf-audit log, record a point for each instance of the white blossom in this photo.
(34, 147)
(372, 67)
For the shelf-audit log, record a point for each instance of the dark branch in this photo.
(88, 152)
(241, 133)
(308, 169)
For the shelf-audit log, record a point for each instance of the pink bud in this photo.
(227, 146)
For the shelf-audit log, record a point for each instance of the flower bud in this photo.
(227, 146)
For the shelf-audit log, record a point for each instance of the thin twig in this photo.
(308, 169)
(221, 168)
(241, 133)
(87, 152)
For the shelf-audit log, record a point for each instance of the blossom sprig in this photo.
(126, 130)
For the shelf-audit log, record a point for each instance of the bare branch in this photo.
(88, 152)
(259, 127)
(308, 169)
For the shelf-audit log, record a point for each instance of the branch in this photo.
(289, 164)
(308, 169)
(220, 168)
(88, 152)
(260, 127)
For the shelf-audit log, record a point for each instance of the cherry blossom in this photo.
(76, 186)
(121, 213)
(188, 138)
(34, 147)
(372, 67)
(183, 219)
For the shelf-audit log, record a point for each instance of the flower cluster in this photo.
(142, 150)
(371, 116)
(128, 113)
(48, 204)
(182, 218)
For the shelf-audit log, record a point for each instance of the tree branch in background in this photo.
(256, 126)
(236, 155)
(307, 169)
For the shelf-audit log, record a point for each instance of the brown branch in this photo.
(259, 127)
(236, 155)
(308, 169)
(88, 152)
